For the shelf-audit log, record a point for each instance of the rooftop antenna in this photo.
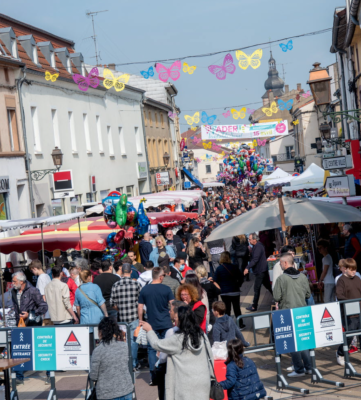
(92, 14)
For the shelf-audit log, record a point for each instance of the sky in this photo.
(136, 30)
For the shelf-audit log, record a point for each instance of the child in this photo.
(242, 380)
(225, 328)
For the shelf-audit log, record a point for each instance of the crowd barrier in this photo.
(5, 341)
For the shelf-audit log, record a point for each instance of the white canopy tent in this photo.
(213, 184)
(312, 178)
(277, 178)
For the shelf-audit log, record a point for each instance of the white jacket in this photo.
(145, 277)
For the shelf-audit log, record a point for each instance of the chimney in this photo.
(287, 88)
(299, 87)
(271, 96)
(111, 66)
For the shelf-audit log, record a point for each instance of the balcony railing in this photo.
(283, 157)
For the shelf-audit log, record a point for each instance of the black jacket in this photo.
(145, 248)
(197, 258)
(212, 291)
(31, 300)
(258, 259)
(177, 245)
(228, 277)
(241, 249)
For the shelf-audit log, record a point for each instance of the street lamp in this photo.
(166, 158)
(57, 156)
(191, 155)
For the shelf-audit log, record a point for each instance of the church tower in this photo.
(273, 82)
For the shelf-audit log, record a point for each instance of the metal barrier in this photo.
(5, 340)
(263, 320)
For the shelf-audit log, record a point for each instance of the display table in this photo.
(220, 369)
(5, 365)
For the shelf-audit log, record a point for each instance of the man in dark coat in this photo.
(175, 241)
(145, 248)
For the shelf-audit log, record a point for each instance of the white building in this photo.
(99, 131)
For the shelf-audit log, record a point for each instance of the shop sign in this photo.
(162, 178)
(62, 181)
(93, 185)
(142, 170)
(187, 185)
(343, 186)
(336, 163)
(4, 184)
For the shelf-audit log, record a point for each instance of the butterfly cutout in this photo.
(110, 80)
(254, 143)
(50, 77)
(148, 74)
(218, 140)
(207, 145)
(261, 142)
(192, 120)
(238, 114)
(285, 105)
(287, 46)
(227, 114)
(172, 72)
(272, 110)
(307, 94)
(296, 122)
(216, 147)
(172, 114)
(208, 120)
(187, 68)
(220, 71)
(196, 140)
(250, 110)
(254, 60)
(208, 157)
(84, 82)
(194, 128)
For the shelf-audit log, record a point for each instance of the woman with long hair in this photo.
(162, 255)
(195, 252)
(240, 247)
(192, 279)
(188, 351)
(242, 379)
(190, 295)
(109, 364)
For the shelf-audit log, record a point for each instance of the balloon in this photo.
(121, 211)
(111, 224)
(131, 215)
(119, 236)
(110, 239)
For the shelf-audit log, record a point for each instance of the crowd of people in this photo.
(179, 291)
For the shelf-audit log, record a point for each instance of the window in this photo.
(208, 169)
(104, 194)
(89, 197)
(68, 65)
(121, 141)
(150, 153)
(274, 159)
(14, 49)
(52, 59)
(220, 167)
(110, 141)
(137, 140)
(150, 118)
(99, 134)
(288, 152)
(4, 213)
(119, 189)
(72, 131)
(130, 191)
(54, 120)
(35, 55)
(6, 73)
(13, 131)
(145, 117)
(75, 202)
(86, 133)
(156, 119)
(57, 206)
(36, 131)
(154, 153)
(162, 120)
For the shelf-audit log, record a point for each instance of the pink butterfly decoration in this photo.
(196, 140)
(84, 82)
(250, 110)
(227, 114)
(220, 71)
(172, 115)
(216, 147)
(307, 94)
(261, 142)
(198, 160)
(172, 72)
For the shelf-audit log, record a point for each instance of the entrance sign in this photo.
(307, 328)
(51, 349)
(243, 131)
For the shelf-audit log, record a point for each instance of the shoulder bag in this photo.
(90, 392)
(216, 392)
(87, 297)
(239, 281)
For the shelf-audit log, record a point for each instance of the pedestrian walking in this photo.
(327, 280)
(162, 255)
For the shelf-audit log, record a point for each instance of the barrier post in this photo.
(52, 394)
(316, 376)
(14, 392)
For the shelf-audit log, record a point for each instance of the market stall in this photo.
(312, 178)
(277, 178)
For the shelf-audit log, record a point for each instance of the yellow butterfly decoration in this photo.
(218, 140)
(50, 77)
(254, 143)
(254, 60)
(203, 157)
(296, 122)
(194, 128)
(187, 68)
(192, 120)
(238, 114)
(207, 145)
(110, 80)
(272, 110)
(222, 154)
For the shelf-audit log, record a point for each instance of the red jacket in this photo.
(72, 289)
(203, 323)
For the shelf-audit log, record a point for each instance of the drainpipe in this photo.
(145, 142)
(344, 103)
(19, 84)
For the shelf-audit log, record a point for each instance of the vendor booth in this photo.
(277, 178)
(312, 178)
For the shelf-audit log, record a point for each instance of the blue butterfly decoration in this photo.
(288, 46)
(285, 105)
(149, 73)
(208, 156)
(208, 120)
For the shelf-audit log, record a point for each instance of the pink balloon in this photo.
(111, 224)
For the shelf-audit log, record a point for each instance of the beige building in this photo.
(159, 143)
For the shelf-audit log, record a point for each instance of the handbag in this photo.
(87, 297)
(90, 393)
(216, 392)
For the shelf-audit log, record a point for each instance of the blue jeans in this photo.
(126, 397)
(152, 354)
(301, 360)
(113, 314)
(134, 345)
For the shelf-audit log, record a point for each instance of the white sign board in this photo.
(327, 324)
(142, 170)
(335, 163)
(343, 186)
(62, 195)
(162, 178)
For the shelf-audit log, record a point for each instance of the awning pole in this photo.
(282, 216)
(2, 290)
(81, 241)
(42, 245)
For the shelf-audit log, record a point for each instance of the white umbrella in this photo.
(312, 178)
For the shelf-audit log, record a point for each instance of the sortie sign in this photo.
(4, 184)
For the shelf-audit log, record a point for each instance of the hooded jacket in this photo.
(145, 278)
(291, 289)
(226, 329)
(145, 248)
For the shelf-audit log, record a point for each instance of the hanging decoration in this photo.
(306, 94)
(188, 69)
(285, 105)
(296, 122)
(51, 77)
(194, 128)
(110, 80)
(261, 142)
(148, 74)
(207, 145)
(192, 120)
(208, 120)
(287, 46)
(196, 140)
(84, 82)
(254, 60)
(182, 144)
(172, 114)
(220, 71)
(238, 114)
(216, 147)
(272, 110)
(165, 73)
(227, 114)
(250, 110)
